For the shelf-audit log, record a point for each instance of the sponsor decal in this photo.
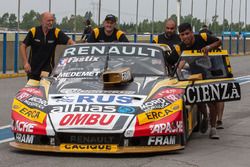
(75, 90)
(172, 124)
(161, 140)
(83, 59)
(169, 94)
(36, 102)
(22, 126)
(106, 99)
(92, 139)
(168, 127)
(23, 96)
(33, 91)
(29, 113)
(89, 148)
(25, 125)
(200, 52)
(63, 62)
(24, 138)
(83, 108)
(87, 119)
(126, 109)
(114, 50)
(90, 121)
(158, 103)
(157, 114)
(213, 92)
(79, 74)
(126, 75)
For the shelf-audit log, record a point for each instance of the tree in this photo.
(12, 21)
(30, 19)
(214, 26)
(4, 21)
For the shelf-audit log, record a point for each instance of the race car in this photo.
(119, 98)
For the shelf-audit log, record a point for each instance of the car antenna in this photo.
(107, 59)
(176, 66)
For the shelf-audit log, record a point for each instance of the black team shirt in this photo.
(102, 37)
(42, 52)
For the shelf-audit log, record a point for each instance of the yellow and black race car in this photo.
(119, 98)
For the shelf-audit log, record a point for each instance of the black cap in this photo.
(204, 26)
(110, 17)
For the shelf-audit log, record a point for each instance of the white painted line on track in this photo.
(246, 76)
(6, 140)
(3, 127)
(242, 83)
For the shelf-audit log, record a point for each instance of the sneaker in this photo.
(204, 125)
(219, 125)
(213, 134)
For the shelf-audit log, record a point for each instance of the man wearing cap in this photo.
(107, 33)
(205, 29)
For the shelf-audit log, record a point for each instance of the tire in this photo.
(184, 136)
(199, 118)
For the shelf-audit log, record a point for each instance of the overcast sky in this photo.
(63, 8)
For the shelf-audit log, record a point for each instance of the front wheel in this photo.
(184, 136)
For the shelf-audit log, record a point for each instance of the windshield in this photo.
(93, 64)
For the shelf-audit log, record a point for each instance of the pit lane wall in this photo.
(12, 66)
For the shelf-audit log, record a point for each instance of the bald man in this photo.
(43, 40)
(170, 38)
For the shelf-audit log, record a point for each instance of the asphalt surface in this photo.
(233, 148)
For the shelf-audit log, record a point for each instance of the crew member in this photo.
(205, 29)
(107, 33)
(87, 31)
(43, 41)
(170, 38)
(205, 43)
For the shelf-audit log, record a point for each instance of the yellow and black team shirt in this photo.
(201, 40)
(98, 35)
(42, 53)
(171, 41)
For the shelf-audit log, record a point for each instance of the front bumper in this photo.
(115, 148)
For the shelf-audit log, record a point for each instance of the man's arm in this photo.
(70, 42)
(215, 43)
(91, 38)
(24, 56)
(23, 50)
(64, 39)
(123, 38)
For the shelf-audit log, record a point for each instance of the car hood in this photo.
(139, 85)
(87, 107)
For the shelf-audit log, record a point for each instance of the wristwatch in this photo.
(208, 47)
